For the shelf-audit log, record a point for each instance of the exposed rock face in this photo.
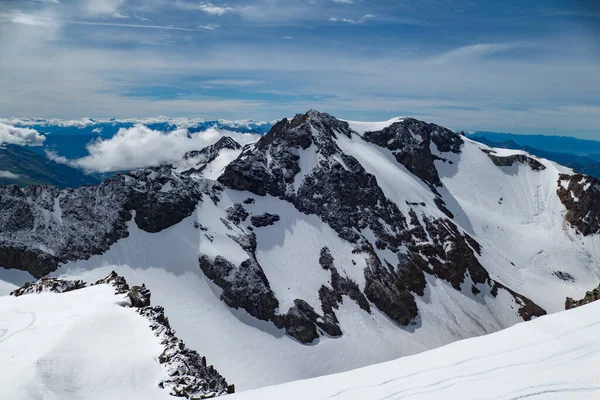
(189, 375)
(340, 191)
(244, 286)
(139, 296)
(580, 194)
(269, 166)
(331, 297)
(508, 161)
(589, 297)
(41, 227)
(237, 213)
(410, 141)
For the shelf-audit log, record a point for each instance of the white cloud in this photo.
(20, 136)
(287, 38)
(9, 175)
(208, 8)
(52, 155)
(139, 147)
(362, 19)
(475, 50)
(102, 7)
(210, 27)
(343, 1)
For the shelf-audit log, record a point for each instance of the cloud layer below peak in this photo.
(140, 147)
(20, 136)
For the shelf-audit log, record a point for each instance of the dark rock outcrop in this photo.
(508, 161)
(236, 213)
(580, 194)
(139, 296)
(50, 285)
(115, 280)
(527, 310)
(590, 296)
(410, 141)
(263, 220)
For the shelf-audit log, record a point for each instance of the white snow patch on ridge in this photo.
(362, 127)
(77, 345)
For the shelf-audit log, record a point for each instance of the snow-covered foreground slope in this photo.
(78, 345)
(552, 357)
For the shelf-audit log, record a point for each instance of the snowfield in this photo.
(167, 262)
(80, 345)
(554, 357)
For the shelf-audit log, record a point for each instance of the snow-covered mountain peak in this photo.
(372, 241)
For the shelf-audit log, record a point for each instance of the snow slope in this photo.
(167, 262)
(517, 217)
(78, 345)
(552, 357)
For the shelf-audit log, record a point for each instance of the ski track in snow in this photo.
(507, 365)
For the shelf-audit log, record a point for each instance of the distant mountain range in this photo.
(582, 164)
(20, 166)
(556, 144)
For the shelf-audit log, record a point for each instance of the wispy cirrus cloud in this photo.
(361, 20)
(476, 50)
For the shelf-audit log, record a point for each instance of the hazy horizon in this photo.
(526, 68)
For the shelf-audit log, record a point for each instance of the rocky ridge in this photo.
(45, 226)
(189, 375)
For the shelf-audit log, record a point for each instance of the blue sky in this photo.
(516, 66)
